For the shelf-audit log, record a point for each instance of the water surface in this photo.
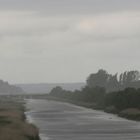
(63, 121)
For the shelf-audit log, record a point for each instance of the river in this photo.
(64, 121)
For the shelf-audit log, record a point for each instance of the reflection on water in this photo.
(62, 121)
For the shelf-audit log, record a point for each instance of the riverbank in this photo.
(129, 113)
(13, 124)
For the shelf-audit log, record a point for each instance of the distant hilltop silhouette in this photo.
(6, 88)
(47, 87)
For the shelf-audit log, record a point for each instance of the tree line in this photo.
(114, 82)
(104, 90)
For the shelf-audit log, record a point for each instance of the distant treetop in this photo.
(114, 82)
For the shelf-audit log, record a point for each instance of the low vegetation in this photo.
(13, 125)
(131, 113)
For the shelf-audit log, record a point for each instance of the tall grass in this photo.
(13, 125)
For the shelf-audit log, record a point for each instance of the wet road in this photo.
(63, 121)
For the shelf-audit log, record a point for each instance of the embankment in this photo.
(13, 124)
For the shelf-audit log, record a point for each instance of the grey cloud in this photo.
(56, 7)
(78, 36)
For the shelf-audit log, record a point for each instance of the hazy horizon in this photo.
(84, 82)
(61, 41)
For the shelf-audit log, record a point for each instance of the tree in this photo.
(99, 79)
(129, 77)
(113, 83)
(56, 91)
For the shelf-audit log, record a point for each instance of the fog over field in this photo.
(47, 87)
(65, 40)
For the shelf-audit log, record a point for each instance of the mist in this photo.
(65, 41)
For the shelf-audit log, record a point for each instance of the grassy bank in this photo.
(13, 124)
(129, 113)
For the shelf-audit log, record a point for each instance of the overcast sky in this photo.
(66, 40)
